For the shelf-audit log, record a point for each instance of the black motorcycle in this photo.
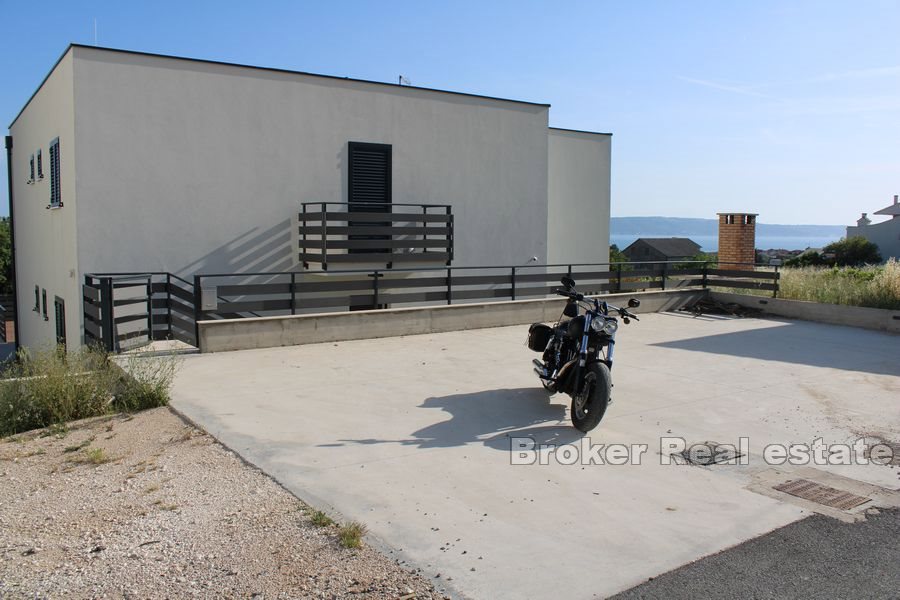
(578, 353)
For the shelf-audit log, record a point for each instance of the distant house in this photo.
(661, 249)
(885, 235)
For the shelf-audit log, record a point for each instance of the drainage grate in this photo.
(828, 496)
(886, 453)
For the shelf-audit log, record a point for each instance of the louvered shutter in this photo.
(369, 189)
(55, 194)
(370, 173)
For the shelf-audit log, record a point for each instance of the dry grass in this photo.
(872, 286)
(320, 519)
(350, 534)
(52, 387)
(92, 456)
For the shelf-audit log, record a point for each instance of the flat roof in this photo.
(268, 69)
(578, 131)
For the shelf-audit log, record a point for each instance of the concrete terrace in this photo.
(411, 435)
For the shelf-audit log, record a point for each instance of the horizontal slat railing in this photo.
(122, 310)
(371, 233)
(176, 305)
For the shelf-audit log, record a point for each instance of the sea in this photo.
(710, 243)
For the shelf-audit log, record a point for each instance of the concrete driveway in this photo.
(412, 436)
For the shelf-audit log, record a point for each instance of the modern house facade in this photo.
(886, 234)
(156, 163)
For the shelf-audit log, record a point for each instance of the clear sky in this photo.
(785, 108)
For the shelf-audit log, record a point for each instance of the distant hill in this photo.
(682, 227)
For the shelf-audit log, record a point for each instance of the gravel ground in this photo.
(146, 506)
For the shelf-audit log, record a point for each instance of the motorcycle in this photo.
(578, 353)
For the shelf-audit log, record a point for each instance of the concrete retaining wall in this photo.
(836, 314)
(267, 332)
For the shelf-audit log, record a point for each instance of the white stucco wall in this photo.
(193, 167)
(578, 197)
(885, 235)
(46, 248)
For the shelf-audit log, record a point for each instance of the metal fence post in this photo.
(325, 236)
(198, 309)
(705, 274)
(449, 234)
(107, 321)
(449, 285)
(150, 307)
(293, 294)
(664, 271)
(618, 277)
(375, 275)
(513, 294)
(775, 282)
(169, 303)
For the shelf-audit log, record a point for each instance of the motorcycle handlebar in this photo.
(577, 296)
(568, 294)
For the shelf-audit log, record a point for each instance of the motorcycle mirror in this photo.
(634, 303)
(567, 281)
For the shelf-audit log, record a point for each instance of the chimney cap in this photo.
(739, 213)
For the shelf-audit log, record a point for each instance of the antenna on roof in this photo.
(401, 80)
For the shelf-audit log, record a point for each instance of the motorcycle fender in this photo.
(564, 379)
(608, 363)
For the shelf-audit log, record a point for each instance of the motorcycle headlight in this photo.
(607, 326)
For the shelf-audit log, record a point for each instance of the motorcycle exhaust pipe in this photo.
(540, 369)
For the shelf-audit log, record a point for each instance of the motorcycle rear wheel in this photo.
(597, 387)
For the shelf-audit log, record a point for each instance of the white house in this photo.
(132, 162)
(885, 235)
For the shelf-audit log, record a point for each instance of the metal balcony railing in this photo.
(373, 233)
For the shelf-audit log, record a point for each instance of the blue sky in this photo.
(788, 109)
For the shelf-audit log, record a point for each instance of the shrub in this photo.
(855, 251)
(146, 382)
(852, 252)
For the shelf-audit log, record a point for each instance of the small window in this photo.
(44, 302)
(31, 172)
(59, 308)
(55, 193)
(37, 299)
(40, 165)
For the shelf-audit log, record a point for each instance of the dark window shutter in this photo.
(369, 188)
(59, 308)
(31, 176)
(55, 194)
(370, 173)
(40, 165)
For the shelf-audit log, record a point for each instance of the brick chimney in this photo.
(737, 240)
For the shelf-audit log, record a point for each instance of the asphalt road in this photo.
(818, 557)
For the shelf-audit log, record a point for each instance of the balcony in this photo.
(367, 233)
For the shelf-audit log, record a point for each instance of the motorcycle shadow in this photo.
(490, 417)
(543, 435)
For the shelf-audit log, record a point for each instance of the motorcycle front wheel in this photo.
(589, 408)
